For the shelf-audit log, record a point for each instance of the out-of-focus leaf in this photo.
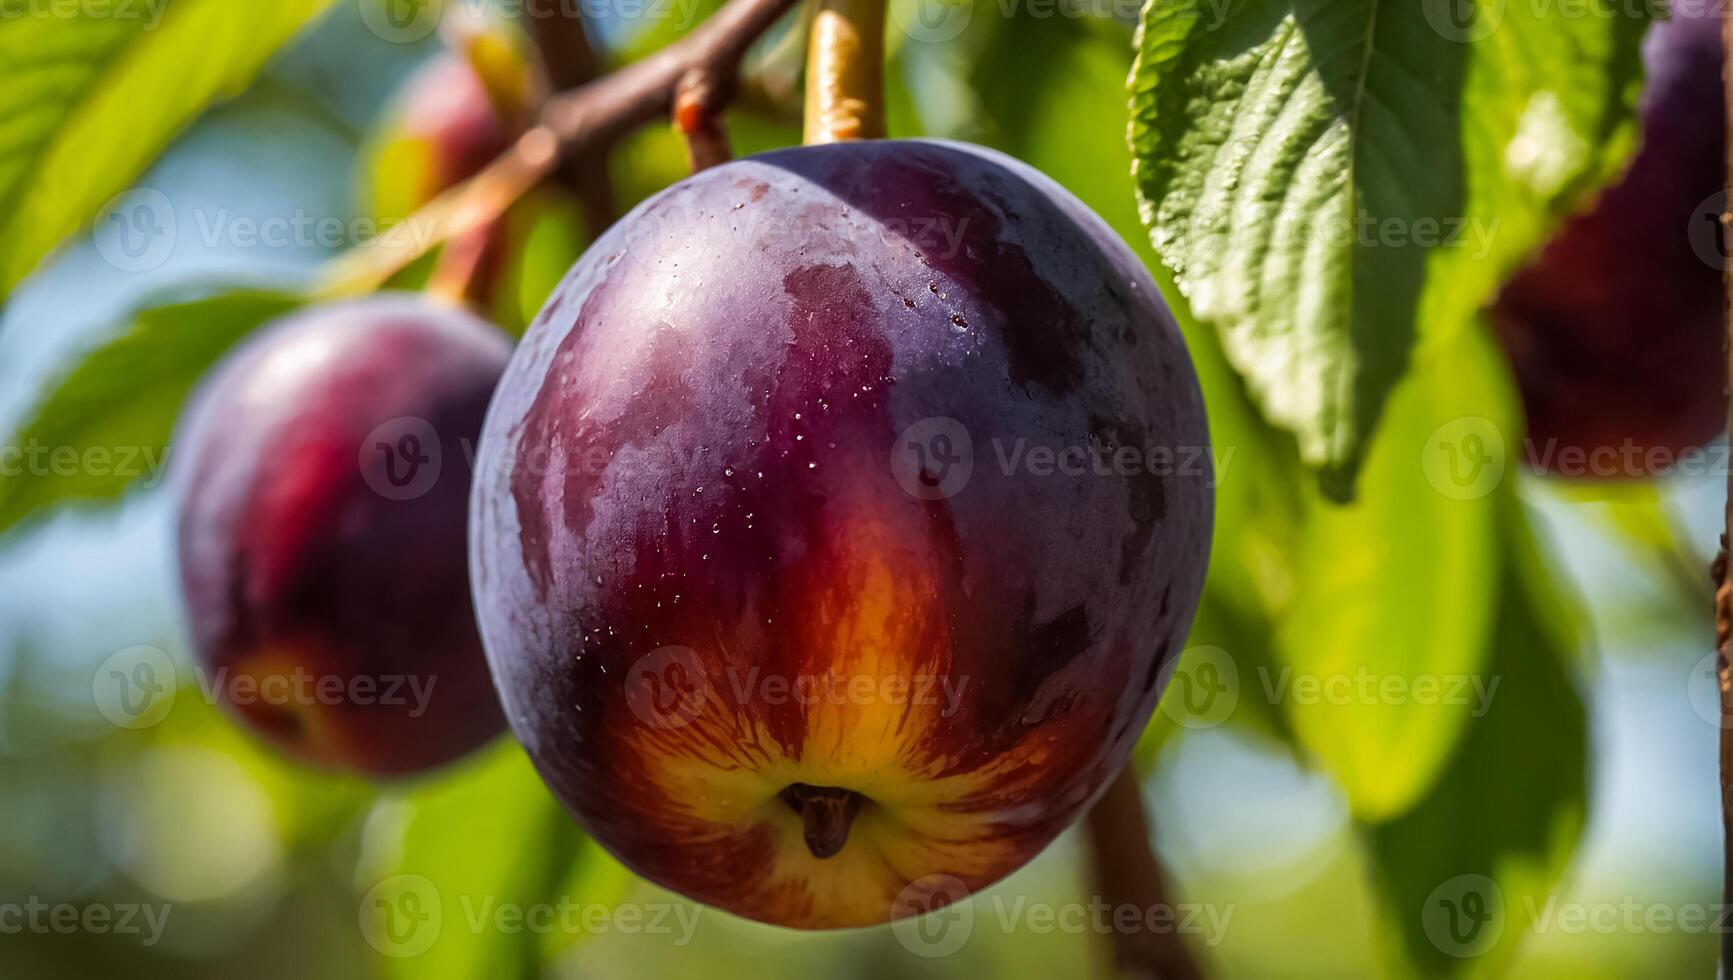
(1338, 185)
(105, 425)
(91, 93)
(466, 877)
(1467, 868)
(1398, 589)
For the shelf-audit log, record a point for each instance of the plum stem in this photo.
(1127, 873)
(1723, 586)
(571, 123)
(828, 812)
(845, 72)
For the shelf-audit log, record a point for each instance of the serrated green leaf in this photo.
(1338, 185)
(1465, 870)
(105, 425)
(1398, 588)
(91, 93)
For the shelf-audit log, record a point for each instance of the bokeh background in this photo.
(264, 867)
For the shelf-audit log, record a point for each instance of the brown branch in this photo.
(570, 59)
(1723, 587)
(572, 122)
(1127, 873)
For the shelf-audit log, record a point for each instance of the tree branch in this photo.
(1127, 873)
(570, 59)
(572, 122)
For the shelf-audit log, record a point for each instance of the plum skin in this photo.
(1615, 328)
(691, 458)
(309, 555)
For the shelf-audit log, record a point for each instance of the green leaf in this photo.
(1338, 185)
(91, 93)
(478, 874)
(106, 424)
(1466, 869)
(1398, 588)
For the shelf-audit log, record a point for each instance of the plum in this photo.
(1614, 330)
(323, 484)
(834, 523)
(445, 127)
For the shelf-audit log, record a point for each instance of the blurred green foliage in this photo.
(269, 870)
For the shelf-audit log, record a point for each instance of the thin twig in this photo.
(1128, 874)
(571, 122)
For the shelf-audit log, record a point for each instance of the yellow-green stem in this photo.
(845, 77)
